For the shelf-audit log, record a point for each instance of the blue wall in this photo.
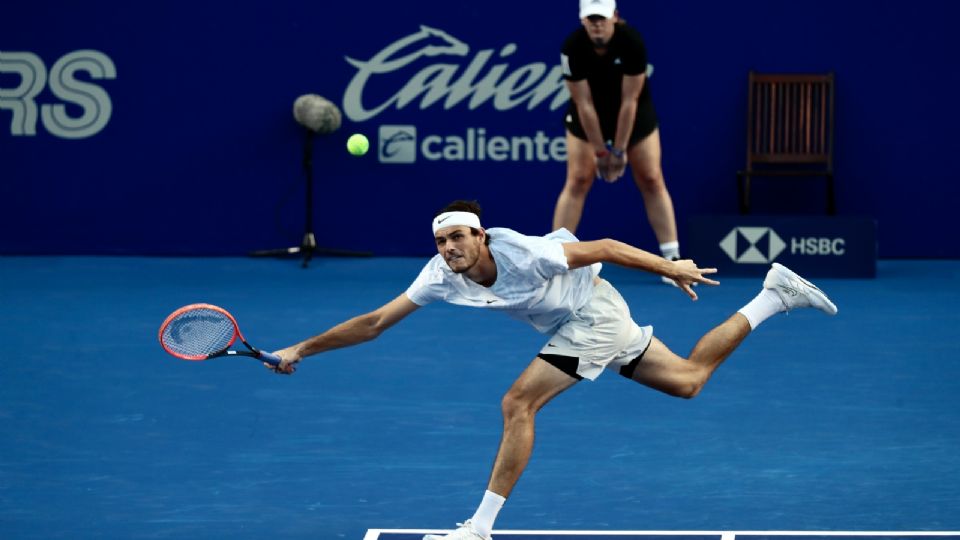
(199, 153)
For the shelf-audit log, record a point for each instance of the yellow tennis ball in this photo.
(358, 144)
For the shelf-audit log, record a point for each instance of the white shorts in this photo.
(601, 334)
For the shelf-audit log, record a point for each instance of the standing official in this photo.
(611, 121)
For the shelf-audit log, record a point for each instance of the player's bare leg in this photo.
(537, 385)
(664, 370)
(783, 290)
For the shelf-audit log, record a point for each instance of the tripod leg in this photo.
(308, 248)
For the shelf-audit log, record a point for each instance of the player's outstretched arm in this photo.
(357, 330)
(684, 272)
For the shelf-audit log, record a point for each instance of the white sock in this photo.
(765, 305)
(487, 513)
(670, 250)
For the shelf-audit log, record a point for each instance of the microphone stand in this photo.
(308, 246)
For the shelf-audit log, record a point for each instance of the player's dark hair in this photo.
(462, 206)
(465, 206)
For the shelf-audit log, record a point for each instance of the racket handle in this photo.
(270, 358)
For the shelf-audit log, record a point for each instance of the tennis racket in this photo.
(202, 331)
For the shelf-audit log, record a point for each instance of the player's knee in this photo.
(515, 407)
(683, 391)
(691, 391)
(689, 387)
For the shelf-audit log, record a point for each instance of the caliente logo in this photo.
(455, 78)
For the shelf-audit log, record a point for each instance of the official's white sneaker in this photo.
(464, 531)
(796, 292)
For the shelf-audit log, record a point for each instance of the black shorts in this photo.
(644, 124)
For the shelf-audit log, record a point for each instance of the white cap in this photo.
(604, 8)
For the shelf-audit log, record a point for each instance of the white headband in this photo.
(450, 219)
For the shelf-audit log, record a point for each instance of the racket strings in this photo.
(198, 332)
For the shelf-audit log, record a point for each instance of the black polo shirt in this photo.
(625, 55)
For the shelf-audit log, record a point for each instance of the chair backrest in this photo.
(790, 120)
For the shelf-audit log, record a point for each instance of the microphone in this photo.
(316, 113)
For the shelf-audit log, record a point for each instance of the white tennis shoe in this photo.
(465, 531)
(796, 292)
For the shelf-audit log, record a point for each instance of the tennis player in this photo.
(552, 282)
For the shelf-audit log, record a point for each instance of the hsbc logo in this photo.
(815, 245)
(752, 245)
(761, 245)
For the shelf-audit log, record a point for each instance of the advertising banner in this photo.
(168, 128)
(810, 245)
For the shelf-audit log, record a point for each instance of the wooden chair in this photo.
(789, 130)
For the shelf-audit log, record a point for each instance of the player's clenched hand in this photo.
(288, 361)
(686, 274)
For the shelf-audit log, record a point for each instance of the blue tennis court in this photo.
(849, 423)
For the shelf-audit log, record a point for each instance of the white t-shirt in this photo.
(534, 283)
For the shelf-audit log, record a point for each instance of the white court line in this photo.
(374, 534)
